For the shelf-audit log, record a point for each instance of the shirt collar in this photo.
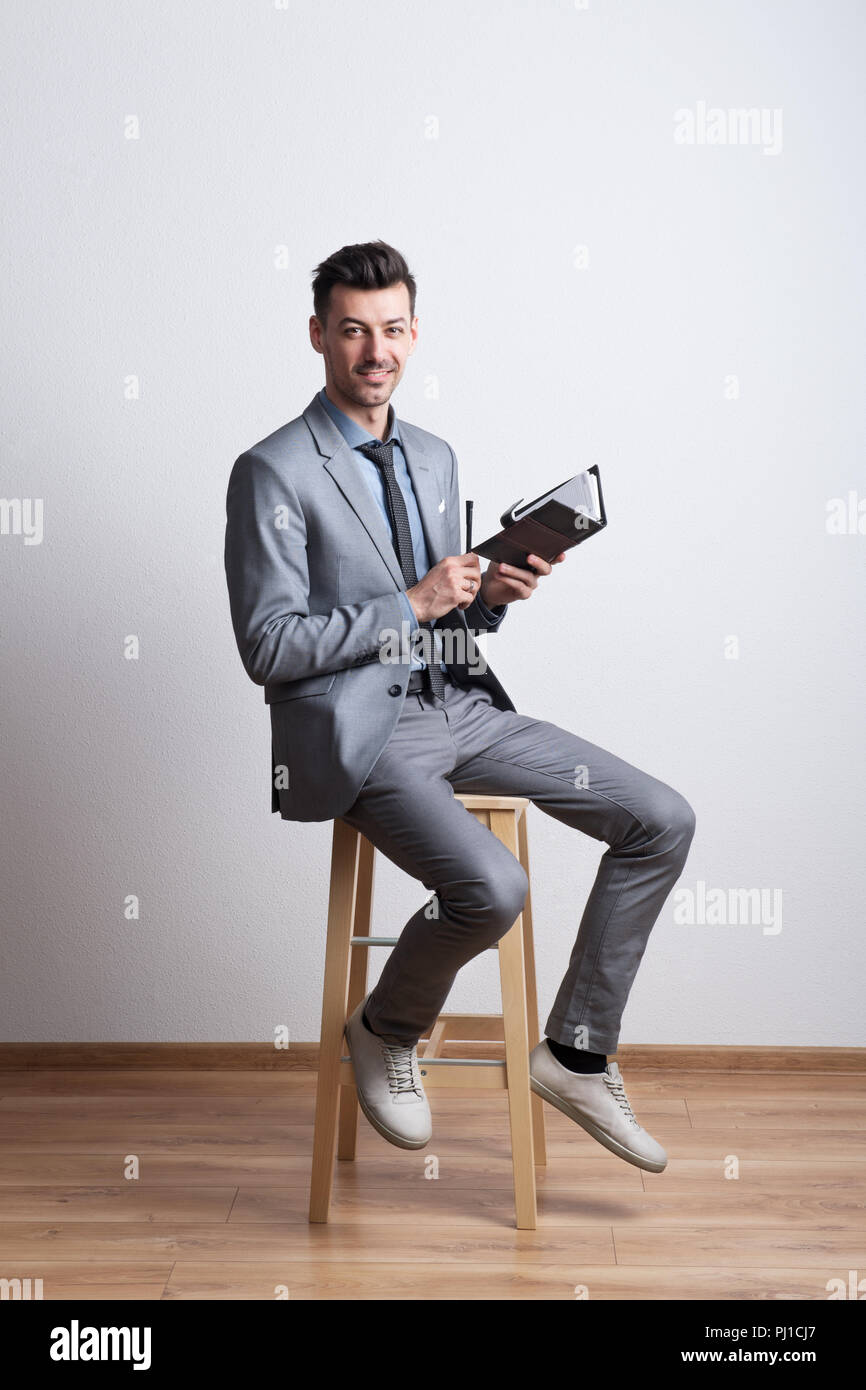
(351, 431)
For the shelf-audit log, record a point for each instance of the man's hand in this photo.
(451, 583)
(504, 583)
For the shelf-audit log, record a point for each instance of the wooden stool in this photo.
(349, 914)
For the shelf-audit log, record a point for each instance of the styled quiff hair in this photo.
(368, 265)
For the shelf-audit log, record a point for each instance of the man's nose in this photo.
(377, 348)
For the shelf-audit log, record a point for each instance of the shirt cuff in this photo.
(409, 611)
(417, 663)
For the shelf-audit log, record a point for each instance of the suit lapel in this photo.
(342, 464)
(343, 468)
(427, 494)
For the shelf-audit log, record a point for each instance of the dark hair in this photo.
(368, 265)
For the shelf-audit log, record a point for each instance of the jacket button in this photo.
(394, 689)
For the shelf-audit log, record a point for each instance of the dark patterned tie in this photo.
(383, 456)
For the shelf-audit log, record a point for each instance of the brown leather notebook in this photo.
(556, 521)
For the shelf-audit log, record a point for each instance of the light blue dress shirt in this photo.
(355, 435)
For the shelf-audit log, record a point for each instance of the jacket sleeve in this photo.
(278, 638)
(479, 618)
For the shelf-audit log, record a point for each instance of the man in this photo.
(343, 536)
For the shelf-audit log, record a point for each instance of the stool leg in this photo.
(512, 971)
(349, 1108)
(537, 1103)
(341, 911)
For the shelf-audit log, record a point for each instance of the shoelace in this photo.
(402, 1064)
(616, 1087)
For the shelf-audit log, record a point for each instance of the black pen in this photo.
(468, 527)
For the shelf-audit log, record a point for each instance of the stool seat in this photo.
(346, 958)
(475, 802)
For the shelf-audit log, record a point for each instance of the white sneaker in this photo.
(598, 1103)
(389, 1086)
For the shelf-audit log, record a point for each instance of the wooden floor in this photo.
(219, 1208)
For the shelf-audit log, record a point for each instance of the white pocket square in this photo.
(442, 505)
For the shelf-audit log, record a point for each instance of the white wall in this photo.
(309, 127)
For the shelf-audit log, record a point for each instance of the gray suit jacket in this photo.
(313, 580)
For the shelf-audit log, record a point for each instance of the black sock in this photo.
(576, 1058)
(365, 1023)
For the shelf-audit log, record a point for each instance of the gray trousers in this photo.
(407, 808)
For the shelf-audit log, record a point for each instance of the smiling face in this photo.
(365, 344)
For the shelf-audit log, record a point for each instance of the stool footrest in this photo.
(392, 941)
(447, 1071)
(452, 1062)
(467, 1028)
